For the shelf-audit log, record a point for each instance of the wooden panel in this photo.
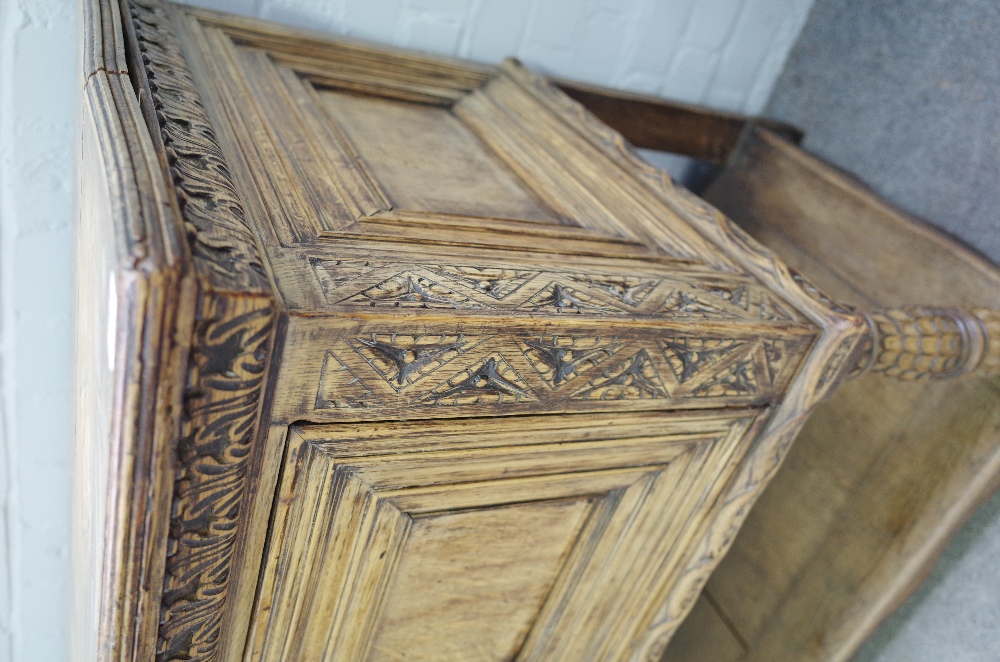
(447, 505)
(474, 568)
(883, 473)
(444, 374)
(426, 160)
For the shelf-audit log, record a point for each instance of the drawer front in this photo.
(534, 538)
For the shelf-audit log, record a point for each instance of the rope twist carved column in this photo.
(932, 343)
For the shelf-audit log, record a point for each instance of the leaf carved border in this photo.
(226, 375)
(218, 231)
(231, 347)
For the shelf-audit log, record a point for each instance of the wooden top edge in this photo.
(850, 185)
(249, 28)
(147, 236)
(103, 46)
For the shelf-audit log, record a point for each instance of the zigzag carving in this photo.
(417, 371)
(552, 292)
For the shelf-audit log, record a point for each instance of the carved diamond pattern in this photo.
(689, 357)
(739, 379)
(701, 305)
(559, 371)
(631, 291)
(558, 298)
(493, 282)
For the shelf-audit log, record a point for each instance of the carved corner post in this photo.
(931, 343)
(234, 327)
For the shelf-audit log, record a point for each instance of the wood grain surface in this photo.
(886, 471)
(415, 337)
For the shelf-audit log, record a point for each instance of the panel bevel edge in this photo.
(309, 439)
(234, 321)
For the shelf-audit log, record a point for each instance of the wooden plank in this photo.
(883, 473)
(670, 126)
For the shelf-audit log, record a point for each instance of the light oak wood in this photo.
(399, 323)
(886, 471)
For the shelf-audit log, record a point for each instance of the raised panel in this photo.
(426, 160)
(389, 540)
(475, 566)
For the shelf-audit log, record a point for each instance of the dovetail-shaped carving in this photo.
(689, 357)
(559, 359)
(401, 360)
(558, 298)
(491, 381)
(339, 387)
(635, 378)
(494, 282)
(411, 290)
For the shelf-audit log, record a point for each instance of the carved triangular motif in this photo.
(490, 381)
(738, 379)
(556, 297)
(630, 290)
(559, 359)
(339, 387)
(738, 296)
(334, 274)
(401, 360)
(687, 304)
(689, 357)
(772, 310)
(776, 354)
(635, 378)
(411, 290)
(494, 282)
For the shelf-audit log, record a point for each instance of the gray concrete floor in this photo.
(906, 95)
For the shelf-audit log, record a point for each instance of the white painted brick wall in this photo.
(726, 53)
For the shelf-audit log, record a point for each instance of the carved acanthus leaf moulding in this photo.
(234, 329)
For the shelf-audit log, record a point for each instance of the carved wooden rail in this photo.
(931, 343)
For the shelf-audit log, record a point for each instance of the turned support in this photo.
(931, 343)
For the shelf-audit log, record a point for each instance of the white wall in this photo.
(725, 53)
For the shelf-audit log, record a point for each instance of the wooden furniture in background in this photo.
(884, 472)
(384, 354)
